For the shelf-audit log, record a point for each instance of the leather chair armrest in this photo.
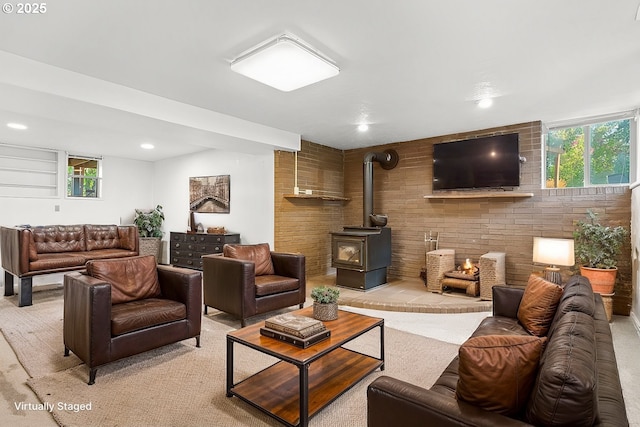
(183, 285)
(87, 317)
(288, 264)
(391, 401)
(291, 265)
(229, 284)
(506, 301)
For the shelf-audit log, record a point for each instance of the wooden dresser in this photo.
(187, 249)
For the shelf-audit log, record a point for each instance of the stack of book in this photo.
(300, 331)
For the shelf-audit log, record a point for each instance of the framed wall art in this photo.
(209, 194)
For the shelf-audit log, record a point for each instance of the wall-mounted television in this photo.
(487, 162)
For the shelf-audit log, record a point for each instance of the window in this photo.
(83, 176)
(590, 153)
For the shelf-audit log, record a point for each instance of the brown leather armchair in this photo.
(250, 279)
(122, 307)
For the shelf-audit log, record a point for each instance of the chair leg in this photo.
(198, 341)
(243, 323)
(205, 309)
(301, 305)
(92, 375)
(66, 351)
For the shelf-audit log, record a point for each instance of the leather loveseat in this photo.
(575, 381)
(31, 251)
(122, 307)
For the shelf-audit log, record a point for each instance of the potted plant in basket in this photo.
(597, 248)
(325, 302)
(149, 225)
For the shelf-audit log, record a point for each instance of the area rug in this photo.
(181, 385)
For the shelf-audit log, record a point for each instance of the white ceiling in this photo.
(101, 77)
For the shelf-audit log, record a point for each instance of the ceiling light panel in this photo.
(285, 63)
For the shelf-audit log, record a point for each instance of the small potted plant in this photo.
(325, 302)
(597, 248)
(149, 225)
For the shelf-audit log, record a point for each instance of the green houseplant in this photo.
(597, 248)
(325, 302)
(149, 223)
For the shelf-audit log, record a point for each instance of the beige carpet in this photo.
(181, 385)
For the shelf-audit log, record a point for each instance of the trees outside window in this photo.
(83, 176)
(589, 155)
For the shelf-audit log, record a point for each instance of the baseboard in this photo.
(636, 322)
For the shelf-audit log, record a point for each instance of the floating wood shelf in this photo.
(478, 195)
(316, 197)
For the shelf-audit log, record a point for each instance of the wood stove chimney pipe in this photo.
(388, 160)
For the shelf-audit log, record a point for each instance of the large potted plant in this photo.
(149, 223)
(597, 248)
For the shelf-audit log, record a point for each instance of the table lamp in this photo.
(553, 252)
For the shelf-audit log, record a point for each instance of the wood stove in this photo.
(361, 255)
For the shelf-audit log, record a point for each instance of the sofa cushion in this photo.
(59, 238)
(577, 296)
(272, 284)
(260, 254)
(131, 279)
(101, 237)
(141, 314)
(56, 261)
(497, 372)
(538, 305)
(565, 392)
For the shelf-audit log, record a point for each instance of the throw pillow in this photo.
(131, 279)
(538, 305)
(497, 372)
(260, 254)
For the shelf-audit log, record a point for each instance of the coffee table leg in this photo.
(304, 396)
(229, 366)
(382, 346)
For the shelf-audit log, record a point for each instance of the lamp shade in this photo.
(285, 63)
(553, 251)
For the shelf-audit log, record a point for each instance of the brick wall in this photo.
(303, 225)
(470, 226)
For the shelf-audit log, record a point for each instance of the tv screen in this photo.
(488, 162)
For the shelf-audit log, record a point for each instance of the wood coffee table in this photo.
(304, 381)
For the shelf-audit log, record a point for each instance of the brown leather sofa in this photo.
(31, 251)
(576, 382)
(122, 307)
(251, 279)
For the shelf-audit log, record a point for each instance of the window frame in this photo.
(97, 178)
(631, 115)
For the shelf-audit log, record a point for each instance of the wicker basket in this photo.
(439, 262)
(492, 273)
(325, 312)
(150, 246)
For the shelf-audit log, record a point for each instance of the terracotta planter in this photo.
(602, 279)
(325, 312)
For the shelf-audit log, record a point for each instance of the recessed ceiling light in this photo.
(485, 103)
(147, 146)
(363, 127)
(285, 63)
(18, 126)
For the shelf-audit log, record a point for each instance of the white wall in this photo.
(127, 184)
(252, 194)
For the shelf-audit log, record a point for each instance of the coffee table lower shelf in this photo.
(276, 389)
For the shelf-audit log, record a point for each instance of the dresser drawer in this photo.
(186, 249)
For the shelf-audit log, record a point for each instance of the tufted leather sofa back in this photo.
(59, 238)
